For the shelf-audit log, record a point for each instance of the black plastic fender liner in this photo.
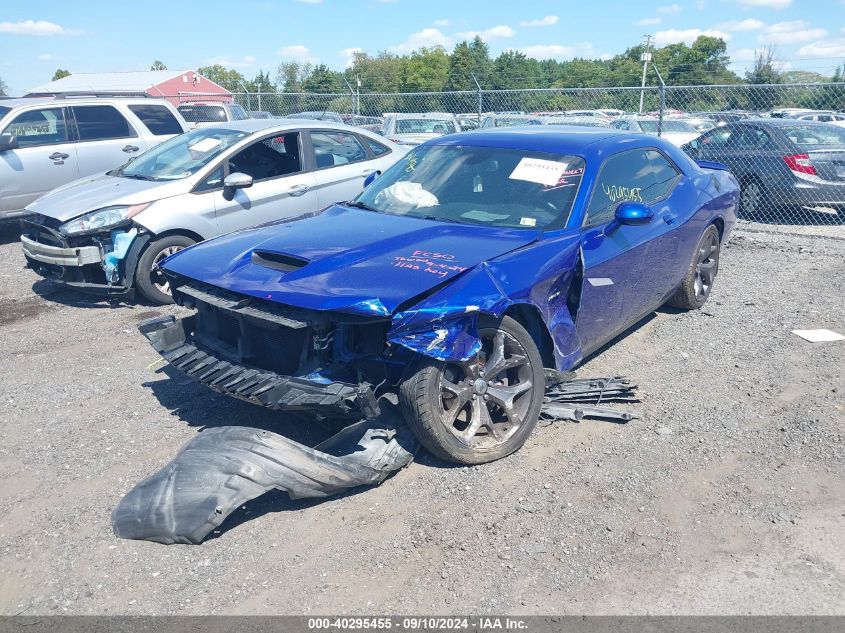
(222, 468)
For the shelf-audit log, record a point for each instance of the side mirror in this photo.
(235, 181)
(633, 214)
(369, 179)
(8, 141)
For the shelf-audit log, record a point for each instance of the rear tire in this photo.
(752, 198)
(482, 409)
(698, 281)
(148, 280)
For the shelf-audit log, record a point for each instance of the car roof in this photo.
(423, 115)
(775, 122)
(70, 100)
(258, 125)
(560, 139)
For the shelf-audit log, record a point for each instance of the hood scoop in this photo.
(278, 261)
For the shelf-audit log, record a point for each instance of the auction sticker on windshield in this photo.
(205, 145)
(543, 172)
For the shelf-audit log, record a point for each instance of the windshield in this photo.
(650, 127)
(4, 111)
(203, 113)
(425, 126)
(181, 156)
(489, 186)
(808, 136)
(317, 116)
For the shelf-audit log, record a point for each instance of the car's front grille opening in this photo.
(244, 339)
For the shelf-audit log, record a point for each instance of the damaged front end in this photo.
(101, 262)
(277, 356)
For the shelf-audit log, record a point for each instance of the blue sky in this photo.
(249, 35)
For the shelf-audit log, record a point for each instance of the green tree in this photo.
(158, 65)
(60, 74)
(3, 88)
(290, 75)
(230, 79)
(324, 79)
(764, 71)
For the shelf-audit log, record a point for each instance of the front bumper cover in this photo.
(168, 336)
(60, 256)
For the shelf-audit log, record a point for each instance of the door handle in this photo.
(58, 156)
(298, 190)
(130, 148)
(670, 218)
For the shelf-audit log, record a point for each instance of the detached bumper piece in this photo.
(222, 468)
(169, 337)
(567, 398)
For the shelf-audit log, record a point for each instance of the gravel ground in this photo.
(726, 496)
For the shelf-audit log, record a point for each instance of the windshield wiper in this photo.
(360, 205)
(136, 176)
(439, 219)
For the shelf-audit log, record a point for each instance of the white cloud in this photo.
(829, 48)
(557, 51)
(548, 20)
(47, 57)
(648, 21)
(441, 22)
(295, 51)
(310, 1)
(489, 34)
(768, 4)
(348, 55)
(749, 24)
(701, 5)
(426, 38)
(794, 32)
(742, 55)
(244, 62)
(670, 9)
(687, 36)
(40, 28)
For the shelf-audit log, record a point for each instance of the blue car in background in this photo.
(454, 279)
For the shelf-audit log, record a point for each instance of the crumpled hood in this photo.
(95, 192)
(345, 259)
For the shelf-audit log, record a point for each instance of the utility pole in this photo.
(358, 94)
(645, 58)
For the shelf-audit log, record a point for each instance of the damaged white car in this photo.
(107, 233)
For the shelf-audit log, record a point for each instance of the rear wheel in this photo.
(752, 198)
(701, 273)
(482, 409)
(149, 280)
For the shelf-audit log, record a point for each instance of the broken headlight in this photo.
(102, 218)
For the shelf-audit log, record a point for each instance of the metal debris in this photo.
(568, 398)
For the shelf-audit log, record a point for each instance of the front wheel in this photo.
(481, 409)
(149, 280)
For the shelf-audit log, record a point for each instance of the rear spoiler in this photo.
(709, 164)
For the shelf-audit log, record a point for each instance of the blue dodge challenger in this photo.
(454, 280)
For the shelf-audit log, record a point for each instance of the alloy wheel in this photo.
(485, 400)
(156, 276)
(706, 266)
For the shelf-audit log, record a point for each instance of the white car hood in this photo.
(96, 192)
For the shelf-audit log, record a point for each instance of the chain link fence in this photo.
(792, 169)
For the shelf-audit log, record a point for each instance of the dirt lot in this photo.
(726, 496)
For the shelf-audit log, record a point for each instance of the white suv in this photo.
(46, 142)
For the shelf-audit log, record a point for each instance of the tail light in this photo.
(800, 163)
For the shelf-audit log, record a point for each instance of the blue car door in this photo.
(625, 267)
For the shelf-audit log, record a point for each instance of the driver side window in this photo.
(269, 158)
(639, 175)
